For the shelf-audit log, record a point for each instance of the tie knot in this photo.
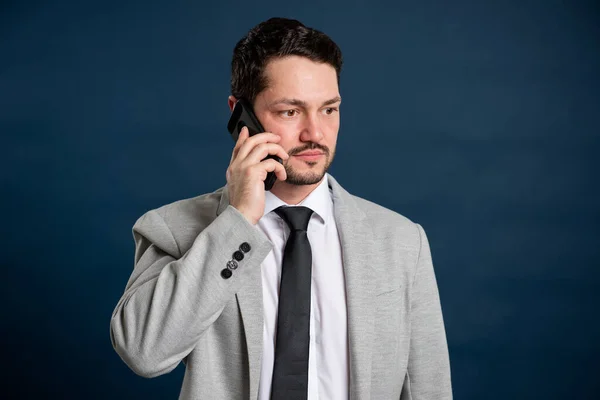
(296, 217)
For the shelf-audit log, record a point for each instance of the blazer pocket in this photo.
(389, 298)
(388, 291)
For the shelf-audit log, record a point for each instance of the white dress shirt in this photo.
(328, 351)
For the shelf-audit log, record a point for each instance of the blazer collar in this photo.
(338, 192)
(356, 237)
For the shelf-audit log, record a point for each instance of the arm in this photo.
(428, 373)
(171, 299)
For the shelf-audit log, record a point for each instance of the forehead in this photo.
(301, 78)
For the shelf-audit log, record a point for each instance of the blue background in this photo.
(478, 120)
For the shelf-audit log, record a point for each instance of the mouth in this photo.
(309, 155)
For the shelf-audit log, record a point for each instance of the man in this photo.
(342, 305)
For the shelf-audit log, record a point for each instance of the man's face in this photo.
(301, 104)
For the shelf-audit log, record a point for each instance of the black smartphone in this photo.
(243, 115)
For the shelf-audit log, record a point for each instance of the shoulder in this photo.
(389, 225)
(386, 225)
(180, 221)
(194, 210)
(190, 210)
(377, 212)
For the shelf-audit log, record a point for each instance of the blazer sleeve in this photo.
(171, 299)
(428, 372)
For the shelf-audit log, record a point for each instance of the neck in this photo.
(293, 194)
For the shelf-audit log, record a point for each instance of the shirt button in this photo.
(245, 247)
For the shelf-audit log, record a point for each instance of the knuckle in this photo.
(264, 148)
(268, 164)
(248, 172)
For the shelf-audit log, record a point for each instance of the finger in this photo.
(254, 141)
(262, 150)
(271, 165)
(242, 136)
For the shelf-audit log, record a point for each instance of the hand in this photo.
(247, 172)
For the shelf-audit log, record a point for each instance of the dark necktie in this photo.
(290, 371)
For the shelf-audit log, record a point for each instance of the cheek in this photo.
(288, 141)
(331, 127)
(287, 133)
(281, 127)
(331, 121)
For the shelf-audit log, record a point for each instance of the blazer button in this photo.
(226, 273)
(238, 255)
(232, 264)
(245, 247)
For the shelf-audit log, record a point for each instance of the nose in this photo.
(311, 129)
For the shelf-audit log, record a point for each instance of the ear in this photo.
(231, 101)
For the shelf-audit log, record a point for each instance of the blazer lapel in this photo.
(250, 302)
(356, 237)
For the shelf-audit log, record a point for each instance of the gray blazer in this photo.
(177, 306)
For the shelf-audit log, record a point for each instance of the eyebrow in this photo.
(301, 103)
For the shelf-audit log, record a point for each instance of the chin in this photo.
(311, 177)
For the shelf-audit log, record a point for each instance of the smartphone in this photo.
(243, 115)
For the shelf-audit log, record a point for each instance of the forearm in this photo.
(170, 302)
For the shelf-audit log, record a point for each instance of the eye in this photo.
(289, 113)
(330, 110)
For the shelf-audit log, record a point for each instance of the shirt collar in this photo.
(319, 200)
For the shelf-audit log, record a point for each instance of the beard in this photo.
(294, 177)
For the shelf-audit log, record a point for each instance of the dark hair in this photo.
(277, 37)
